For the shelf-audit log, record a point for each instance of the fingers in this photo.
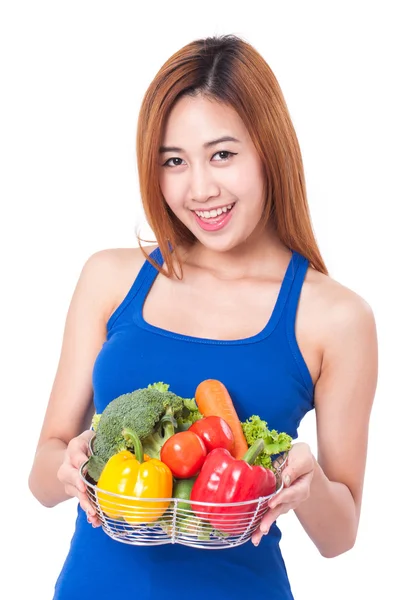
(267, 521)
(78, 451)
(294, 495)
(87, 435)
(84, 440)
(69, 472)
(300, 462)
(85, 504)
(71, 480)
(296, 479)
(82, 496)
(94, 521)
(76, 454)
(90, 510)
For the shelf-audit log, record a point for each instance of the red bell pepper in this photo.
(224, 479)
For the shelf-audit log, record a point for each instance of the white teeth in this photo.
(215, 212)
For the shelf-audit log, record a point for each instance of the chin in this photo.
(222, 243)
(224, 240)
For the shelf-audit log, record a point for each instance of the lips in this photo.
(213, 213)
(209, 222)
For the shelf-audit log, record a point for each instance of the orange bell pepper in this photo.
(135, 476)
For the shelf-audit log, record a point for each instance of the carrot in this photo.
(213, 399)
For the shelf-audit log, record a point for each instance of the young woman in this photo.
(234, 290)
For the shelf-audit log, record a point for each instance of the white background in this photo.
(73, 75)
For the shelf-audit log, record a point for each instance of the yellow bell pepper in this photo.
(137, 476)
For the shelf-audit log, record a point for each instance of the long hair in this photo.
(228, 70)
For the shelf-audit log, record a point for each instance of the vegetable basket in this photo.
(150, 522)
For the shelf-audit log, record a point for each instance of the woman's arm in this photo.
(344, 396)
(70, 406)
(326, 495)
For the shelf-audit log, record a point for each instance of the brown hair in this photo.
(228, 70)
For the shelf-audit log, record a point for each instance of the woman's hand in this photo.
(77, 452)
(297, 477)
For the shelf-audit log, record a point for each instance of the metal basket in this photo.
(151, 522)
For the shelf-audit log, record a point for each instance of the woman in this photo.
(235, 290)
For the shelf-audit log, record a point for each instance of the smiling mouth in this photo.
(215, 213)
(215, 219)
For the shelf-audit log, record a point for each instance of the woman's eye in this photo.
(175, 163)
(224, 155)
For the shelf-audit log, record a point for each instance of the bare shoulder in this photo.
(339, 312)
(339, 300)
(112, 272)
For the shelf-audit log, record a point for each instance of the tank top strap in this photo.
(288, 321)
(139, 288)
(298, 275)
(147, 274)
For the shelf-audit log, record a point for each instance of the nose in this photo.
(202, 184)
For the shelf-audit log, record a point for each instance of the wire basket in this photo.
(152, 522)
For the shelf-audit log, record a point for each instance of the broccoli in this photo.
(179, 419)
(189, 415)
(95, 421)
(274, 443)
(165, 429)
(143, 410)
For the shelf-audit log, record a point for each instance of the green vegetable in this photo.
(190, 414)
(185, 516)
(95, 421)
(165, 429)
(187, 523)
(165, 523)
(274, 443)
(95, 467)
(196, 527)
(160, 386)
(182, 490)
(148, 411)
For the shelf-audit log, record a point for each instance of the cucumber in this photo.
(188, 524)
(182, 490)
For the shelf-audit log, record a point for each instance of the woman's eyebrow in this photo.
(225, 138)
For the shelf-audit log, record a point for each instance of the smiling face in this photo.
(210, 173)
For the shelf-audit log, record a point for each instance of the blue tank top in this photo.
(265, 375)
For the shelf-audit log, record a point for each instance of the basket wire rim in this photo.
(127, 498)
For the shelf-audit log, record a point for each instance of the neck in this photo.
(255, 257)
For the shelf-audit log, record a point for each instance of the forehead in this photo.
(203, 118)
